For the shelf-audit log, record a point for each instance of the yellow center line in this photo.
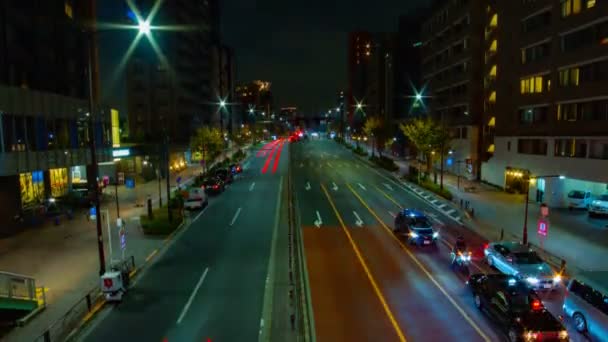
(379, 294)
(419, 264)
(390, 198)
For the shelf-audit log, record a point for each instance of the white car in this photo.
(599, 206)
(579, 199)
(197, 199)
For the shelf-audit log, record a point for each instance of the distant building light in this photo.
(417, 44)
(125, 152)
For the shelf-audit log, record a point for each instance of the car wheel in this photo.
(513, 337)
(478, 301)
(580, 323)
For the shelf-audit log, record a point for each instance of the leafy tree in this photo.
(208, 141)
(374, 127)
(428, 136)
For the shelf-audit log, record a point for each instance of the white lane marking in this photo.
(318, 221)
(359, 221)
(236, 215)
(334, 187)
(307, 186)
(251, 186)
(192, 295)
(392, 214)
(449, 212)
(329, 164)
(390, 188)
(361, 186)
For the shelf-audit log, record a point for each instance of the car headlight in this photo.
(596, 203)
(530, 336)
(435, 235)
(532, 280)
(414, 235)
(557, 278)
(563, 335)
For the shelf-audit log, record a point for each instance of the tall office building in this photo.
(550, 115)
(43, 107)
(170, 90)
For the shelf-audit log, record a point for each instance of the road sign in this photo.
(179, 180)
(123, 239)
(93, 213)
(119, 222)
(543, 227)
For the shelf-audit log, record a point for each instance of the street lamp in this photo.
(144, 27)
(527, 182)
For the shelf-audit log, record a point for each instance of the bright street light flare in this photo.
(144, 27)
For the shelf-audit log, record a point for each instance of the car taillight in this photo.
(216, 186)
(486, 246)
(108, 282)
(536, 305)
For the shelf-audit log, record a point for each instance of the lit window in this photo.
(538, 83)
(68, 9)
(590, 3)
(492, 98)
(576, 6)
(494, 46)
(494, 21)
(493, 71)
(492, 122)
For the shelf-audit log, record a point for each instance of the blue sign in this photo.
(450, 161)
(130, 183)
(123, 239)
(93, 213)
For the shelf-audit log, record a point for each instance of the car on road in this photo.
(235, 168)
(197, 199)
(599, 206)
(579, 199)
(586, 303)
(225, 175)
(416, 227)
(213, 185)
(516, 308)
(518, 260)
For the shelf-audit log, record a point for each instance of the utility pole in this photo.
(94, 177)
(169, 213)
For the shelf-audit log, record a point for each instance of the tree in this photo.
(207, 141)
(374, 127)
(440, 140)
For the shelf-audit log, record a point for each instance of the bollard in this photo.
(461, 203)
(502, 234)
(150, 216)
(472, 212)
(47, 336)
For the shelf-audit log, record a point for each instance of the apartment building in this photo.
(452, 62)
(547, 115)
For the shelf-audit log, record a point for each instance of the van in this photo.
(578, 199)
(586, 303)
(197, 199)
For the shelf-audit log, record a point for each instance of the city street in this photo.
(210, 282)
(358, 270)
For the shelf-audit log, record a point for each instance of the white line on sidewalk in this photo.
(189, 302)
(236, 215)
(361, 186)
(251, 186)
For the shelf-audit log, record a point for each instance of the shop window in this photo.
(573, 148)
(598, 149)
(32, 188)
(59, 182)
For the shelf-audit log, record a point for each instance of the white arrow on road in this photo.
(361, 186)
(307, 186)
(334, 187)
(236, 215)
(251, 186)
(318, 221)
(359, 221)
(388, 186)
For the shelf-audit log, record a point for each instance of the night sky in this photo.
(299, 46)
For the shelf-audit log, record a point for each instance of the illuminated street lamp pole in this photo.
(527, 182)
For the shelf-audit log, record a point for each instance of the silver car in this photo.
(516, 259)
(586, 302)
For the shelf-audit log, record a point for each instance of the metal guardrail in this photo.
(64, 327)
(303, 316)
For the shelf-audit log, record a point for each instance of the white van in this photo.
(197, 199)
(579, 199)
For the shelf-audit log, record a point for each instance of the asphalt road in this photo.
(366, 284)
(209, 284)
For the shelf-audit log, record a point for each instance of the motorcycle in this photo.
(461, 261)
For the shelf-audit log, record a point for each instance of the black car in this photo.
(516, 308)
(214, 185)
(225, 175)
(416, 227)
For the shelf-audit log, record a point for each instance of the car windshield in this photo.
(576, 194)
(527, 258)
(420, 222)
(520, 302)
(603, 198)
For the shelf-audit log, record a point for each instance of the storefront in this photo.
(31, 185)
(59, 182)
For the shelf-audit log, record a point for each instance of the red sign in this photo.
(543, 227)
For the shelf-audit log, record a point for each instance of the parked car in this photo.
(516, 308)
(213, 185)
(416, 227)
(586, 302)
(579, 199)
(197, 199)
(225, 175)
(599, 206)
(518, 260)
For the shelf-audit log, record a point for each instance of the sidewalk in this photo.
(64, 259)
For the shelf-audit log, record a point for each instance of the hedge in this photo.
(159, 224)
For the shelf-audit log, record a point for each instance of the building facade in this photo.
(551, 102)
(452, 76)
(170, 88)
(44, 116)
